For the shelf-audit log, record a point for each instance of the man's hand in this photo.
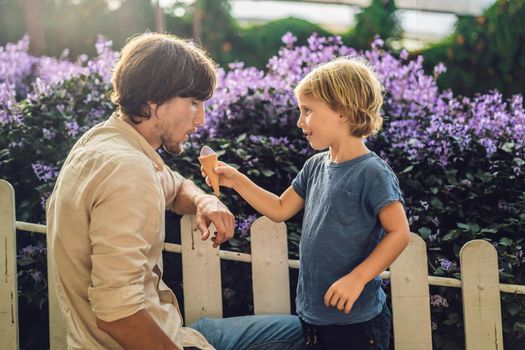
(210, 210)
(344, 292)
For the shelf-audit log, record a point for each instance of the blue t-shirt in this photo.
(340, 230)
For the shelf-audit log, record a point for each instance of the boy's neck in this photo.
(348, 149)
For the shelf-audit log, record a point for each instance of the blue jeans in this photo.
(373, 334)
(260, 332)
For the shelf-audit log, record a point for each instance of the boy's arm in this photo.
(395, 223)
(346, 290)
(270, 205)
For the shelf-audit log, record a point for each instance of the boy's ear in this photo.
(343, 119)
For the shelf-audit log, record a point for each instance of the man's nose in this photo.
(200, 118)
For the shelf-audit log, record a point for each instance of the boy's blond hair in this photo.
(350, 87)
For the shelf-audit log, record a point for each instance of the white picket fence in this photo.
(271, 288)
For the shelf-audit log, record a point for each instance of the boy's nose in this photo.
(299, 122)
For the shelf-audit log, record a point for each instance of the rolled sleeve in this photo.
(111, 304)
(124, 221)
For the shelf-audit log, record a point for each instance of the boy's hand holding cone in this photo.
(208, 159)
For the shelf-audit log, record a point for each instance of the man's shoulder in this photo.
(111, 144)
(103, 155)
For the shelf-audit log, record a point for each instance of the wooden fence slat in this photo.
(481, 296)
(57, 323)
(201, 273)
(8, 283)
(270, 274)
(410, 297)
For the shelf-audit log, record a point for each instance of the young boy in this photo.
(354, 222)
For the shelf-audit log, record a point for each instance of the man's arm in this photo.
(185, 200)
(208, 210)
(138, 331)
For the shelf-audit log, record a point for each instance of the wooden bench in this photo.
(271, 287)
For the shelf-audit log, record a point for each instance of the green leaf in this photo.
(452, 319)
(513, 308)
(464, 227)
(241, 137)
(436, 203)
(474, 228)
(505, 241)
(452, 235)
(407, 169)
(267, 172)
(424, 232)
(519, 327)
(253, 172)
(488, 230)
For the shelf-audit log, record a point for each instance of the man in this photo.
(106, 214)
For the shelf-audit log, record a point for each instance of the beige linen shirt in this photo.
(105, 222)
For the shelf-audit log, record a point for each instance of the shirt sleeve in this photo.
(300, 183)
(125, 218)
(171, 182)
(384, 189)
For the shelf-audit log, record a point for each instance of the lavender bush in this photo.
(460, 161)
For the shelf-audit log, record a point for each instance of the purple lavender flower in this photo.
(439, 69)
(289, 39)
(44, 172)
(244, 225)
(438, 301)
(48, 134)
(72, 128)
(37, 276)
(446, 265)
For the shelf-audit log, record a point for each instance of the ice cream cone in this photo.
(209, 162)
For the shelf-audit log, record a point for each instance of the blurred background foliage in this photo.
(483, 53)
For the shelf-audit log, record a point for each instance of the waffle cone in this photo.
(208, 163)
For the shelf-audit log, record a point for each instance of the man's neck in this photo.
(146, 128)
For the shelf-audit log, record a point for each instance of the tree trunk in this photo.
(160, 19)
(33, 13)
(197, 19)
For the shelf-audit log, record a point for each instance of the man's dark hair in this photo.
(156, 67)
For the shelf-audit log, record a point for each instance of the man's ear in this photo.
(152, 106)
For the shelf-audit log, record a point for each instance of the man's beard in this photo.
(173, 148)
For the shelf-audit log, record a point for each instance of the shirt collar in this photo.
(115, 121)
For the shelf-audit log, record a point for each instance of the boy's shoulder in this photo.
(318, 157)
(375, 167)
(315, 160)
